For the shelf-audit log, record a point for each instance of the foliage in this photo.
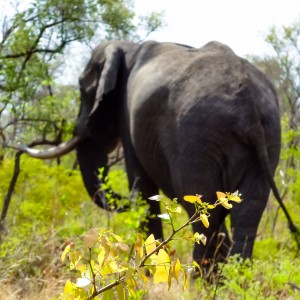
(127, 223)
(30, 251)
(50, 205)
(288, 177)
(286, 45)
(283, 68)
(275, 278)
(40, 205)
(34, 46)
(103, 263)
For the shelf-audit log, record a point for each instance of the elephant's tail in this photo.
(261, 149)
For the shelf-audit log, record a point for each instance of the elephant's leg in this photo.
(207, 256)
(204, 183)
(245, 216)
(152, 224)
(215, 237)
(141, 182)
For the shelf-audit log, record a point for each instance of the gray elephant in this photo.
(191, 121)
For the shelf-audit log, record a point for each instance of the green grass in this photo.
(50, 208)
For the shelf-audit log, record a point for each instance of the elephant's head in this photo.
(97, 127)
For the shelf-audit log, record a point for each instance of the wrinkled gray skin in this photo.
(191, 121)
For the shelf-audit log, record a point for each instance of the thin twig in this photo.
(165, 242)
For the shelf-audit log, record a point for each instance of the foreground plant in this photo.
(108, 266)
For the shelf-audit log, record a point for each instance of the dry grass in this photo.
(45, 276)
(31, 289)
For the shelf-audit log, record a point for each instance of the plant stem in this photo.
(165, 242)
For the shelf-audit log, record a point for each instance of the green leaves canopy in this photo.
(33, 47)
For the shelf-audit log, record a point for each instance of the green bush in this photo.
(50, 209)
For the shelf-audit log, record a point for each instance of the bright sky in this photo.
(241, 24)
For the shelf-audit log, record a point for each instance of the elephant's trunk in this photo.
(52, 152)
(91, 158)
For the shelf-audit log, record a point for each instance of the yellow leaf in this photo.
(150, 244)
(204, 220)
(129, 274)
(132, 292)
(66, 251)
(81, 267)
(144, 277)
(90, 238)
(193, 199)
(174, 208)
(220, 195)
(108, 295)
(69, 287)
(74, 257)
(195, 264)
(131, 282)
(162, 267)
(116, 237)
(141, 275)
(152, 260)
(211, 206)
(120, 292)
(105, 243)
(224, 203)
(138, 246)
(113, 252)
(176, 269)
(101, 255)
(178, 209)
(185, 280)
(235, 198)
(131, 285)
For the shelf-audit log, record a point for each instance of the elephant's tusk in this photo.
(52, 152)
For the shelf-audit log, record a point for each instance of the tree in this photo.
(283, 68)
(33, 47)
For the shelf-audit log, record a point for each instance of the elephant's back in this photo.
(193, 109)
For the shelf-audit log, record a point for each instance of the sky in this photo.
(241, 24)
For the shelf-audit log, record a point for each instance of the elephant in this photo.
(191, 121)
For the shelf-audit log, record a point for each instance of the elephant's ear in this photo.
(109, 75)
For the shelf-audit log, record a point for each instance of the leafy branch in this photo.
(101, 261)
